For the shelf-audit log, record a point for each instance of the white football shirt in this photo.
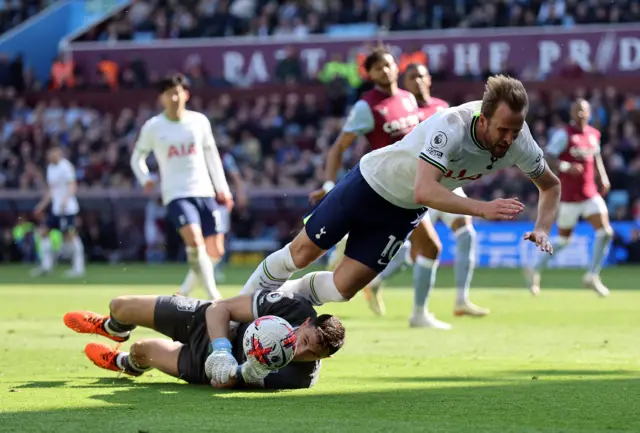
(447, 141)
(181, 149)
(60, 176)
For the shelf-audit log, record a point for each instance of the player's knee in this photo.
(466, 232)
(606, 232)
(430, 248)
(303, 251)
(191, 236)
(120, 307)
(215, 248)
(139, 352)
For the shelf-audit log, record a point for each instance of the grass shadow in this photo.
(590, 405)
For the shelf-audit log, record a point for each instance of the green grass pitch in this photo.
(566, 361)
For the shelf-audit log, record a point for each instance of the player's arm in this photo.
(429, 192)
(138, 161)
(236, 178)
(214, 162)
(532, 162)
(601, 172)
(442, 138)
(72, 185)
(242, 309)
(44, 202)
(220, 313)
(549, 187)
(558, 143)
(359, 122)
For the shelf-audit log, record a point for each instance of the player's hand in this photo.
(501, 209)
(150, 186)
(227, 385)
(316, 196)
(575, 170)
(220, 365)
(605, 188)
(541, 239)
(225, 199)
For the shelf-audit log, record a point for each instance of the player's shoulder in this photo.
(68, 165)
(439, 103)
(197, 116)
(592, 131)
(295, 306)
(453, 121)
(153, 122)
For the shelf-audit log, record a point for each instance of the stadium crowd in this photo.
(160, 19)
(276, 142)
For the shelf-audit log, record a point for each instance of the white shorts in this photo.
(223, 219)
(570, 212)
(446, 218)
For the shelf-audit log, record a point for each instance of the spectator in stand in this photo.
(209, 18)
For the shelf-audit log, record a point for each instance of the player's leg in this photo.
(45, 247)
(187, 215)
(75, 245)
(568, 216)
(597, 214)
(335, 257)
(464, 265)
(374, 238)
(426, 247)
(223, 225)
(143, 355)
(373, 291)
(125, 314)
(325, 225)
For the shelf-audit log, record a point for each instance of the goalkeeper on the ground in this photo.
(200, 329)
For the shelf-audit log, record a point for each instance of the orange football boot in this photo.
(104, 356)
(86, 322)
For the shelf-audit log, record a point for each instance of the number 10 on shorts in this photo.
(390, 250)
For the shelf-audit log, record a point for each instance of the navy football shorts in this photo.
(377, 229)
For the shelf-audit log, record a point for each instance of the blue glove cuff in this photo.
(221, 344)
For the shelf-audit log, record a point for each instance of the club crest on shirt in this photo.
(186, 304)
(274, 297)
(439, 140)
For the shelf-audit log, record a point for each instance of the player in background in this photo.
(188, 159)
(576, 149)
(384, 115)
(61, 194)
(240, 203)
(223, 220)
(418, 81)
(380, 201)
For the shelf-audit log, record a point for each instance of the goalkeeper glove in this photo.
(220, 365)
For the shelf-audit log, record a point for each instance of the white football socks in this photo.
(317, 287)
(272, 272)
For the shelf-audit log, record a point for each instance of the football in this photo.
(270, 340)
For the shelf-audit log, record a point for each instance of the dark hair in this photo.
(502, 88)
(172, 81)
(412, 66)
(374, 57)
(330, 332)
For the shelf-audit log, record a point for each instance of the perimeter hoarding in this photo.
(611, 50)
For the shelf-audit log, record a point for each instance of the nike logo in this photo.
(382, 262)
